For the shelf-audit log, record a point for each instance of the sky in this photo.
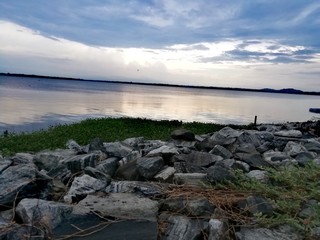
(242, 43)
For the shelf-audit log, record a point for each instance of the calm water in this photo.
(28, 104)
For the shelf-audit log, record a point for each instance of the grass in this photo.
(288, 189)
(107, 129)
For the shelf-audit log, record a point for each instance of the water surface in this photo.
(28, 104)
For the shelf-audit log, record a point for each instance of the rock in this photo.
(312, 145)
(183, 134)
(134, 142)
(6, 217)
(61, 172)
(218, 230)
(4, 164)
(309, 209)
(165, 151)
(197, 161)
(256, 205)
(220, 173)
(191, 179)
(97, 174)
(96, 145)
(182, 227)
(22, 158)
(221, 151)
(261, 176)
(122, 205)
(289, 133)
(194, 207)
(304, 157)
(261, 140)
(147, 146)
(225, 136)
(108, 166)
(128, 171)
(146, 189)
(165, 175)
(275, 156)
(82, 186)
(148, 167)
(315, 233)
(79, 162)
(18, 232)
(58, 189)
(73, 145)
(49, 160)
(254, 160)
(134, 155)
(280, 233)
(21, 181)
(117, 149)
(293, 148)
(42, 213)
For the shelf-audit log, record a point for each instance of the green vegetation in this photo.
(108, 129)
(289, 189)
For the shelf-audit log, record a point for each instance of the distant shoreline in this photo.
(265, 90)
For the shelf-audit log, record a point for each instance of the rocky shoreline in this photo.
(152, 189)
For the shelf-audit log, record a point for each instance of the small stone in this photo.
(165, 175)
(259, 175)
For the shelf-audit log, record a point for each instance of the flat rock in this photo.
(22, 158)
(122, 205)
(165, 175)
(289, 133)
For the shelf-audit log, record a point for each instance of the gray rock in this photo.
(182, 227)
(82, 186)
(275, 156)
(312, 145)
(316, 161)
(148, 167)
(79, 162)
(4, 164)
(221, 151)
(134, 142)
(261, 140)
(108, 166)
(117, 149)
(128, 171)
(261, 176)
(194, 207)
(73, 145)
(304, 157)
(21, 181)
(309, 209)
(42, 213)
(165, 175)
(254, 160)
(315, 233)
(280, 233)
(22, 158)
(134, 155)
(146, 189)
(220, 173)
(164, 151)
(225, 136)
(294, 148)
(218, 230)
(95, 145)
(183, 134)
(48, 160)
(147, 146)
(15, 231)
(191, 179)
(197, 161)
(289, 133)
(6, 217)
(95, 173)
(60, 172)
(256, 205)
(122, 205)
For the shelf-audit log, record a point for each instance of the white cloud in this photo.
(27, 51)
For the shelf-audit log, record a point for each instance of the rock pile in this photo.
(136, 188)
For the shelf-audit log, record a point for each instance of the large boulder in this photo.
(225, 136)
(42, 213)
(148, 167)
(108, 166)
(221, 151)
(122, 206)
(117, 149)
(21, 181)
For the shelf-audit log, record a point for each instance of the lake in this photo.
(28, 104)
